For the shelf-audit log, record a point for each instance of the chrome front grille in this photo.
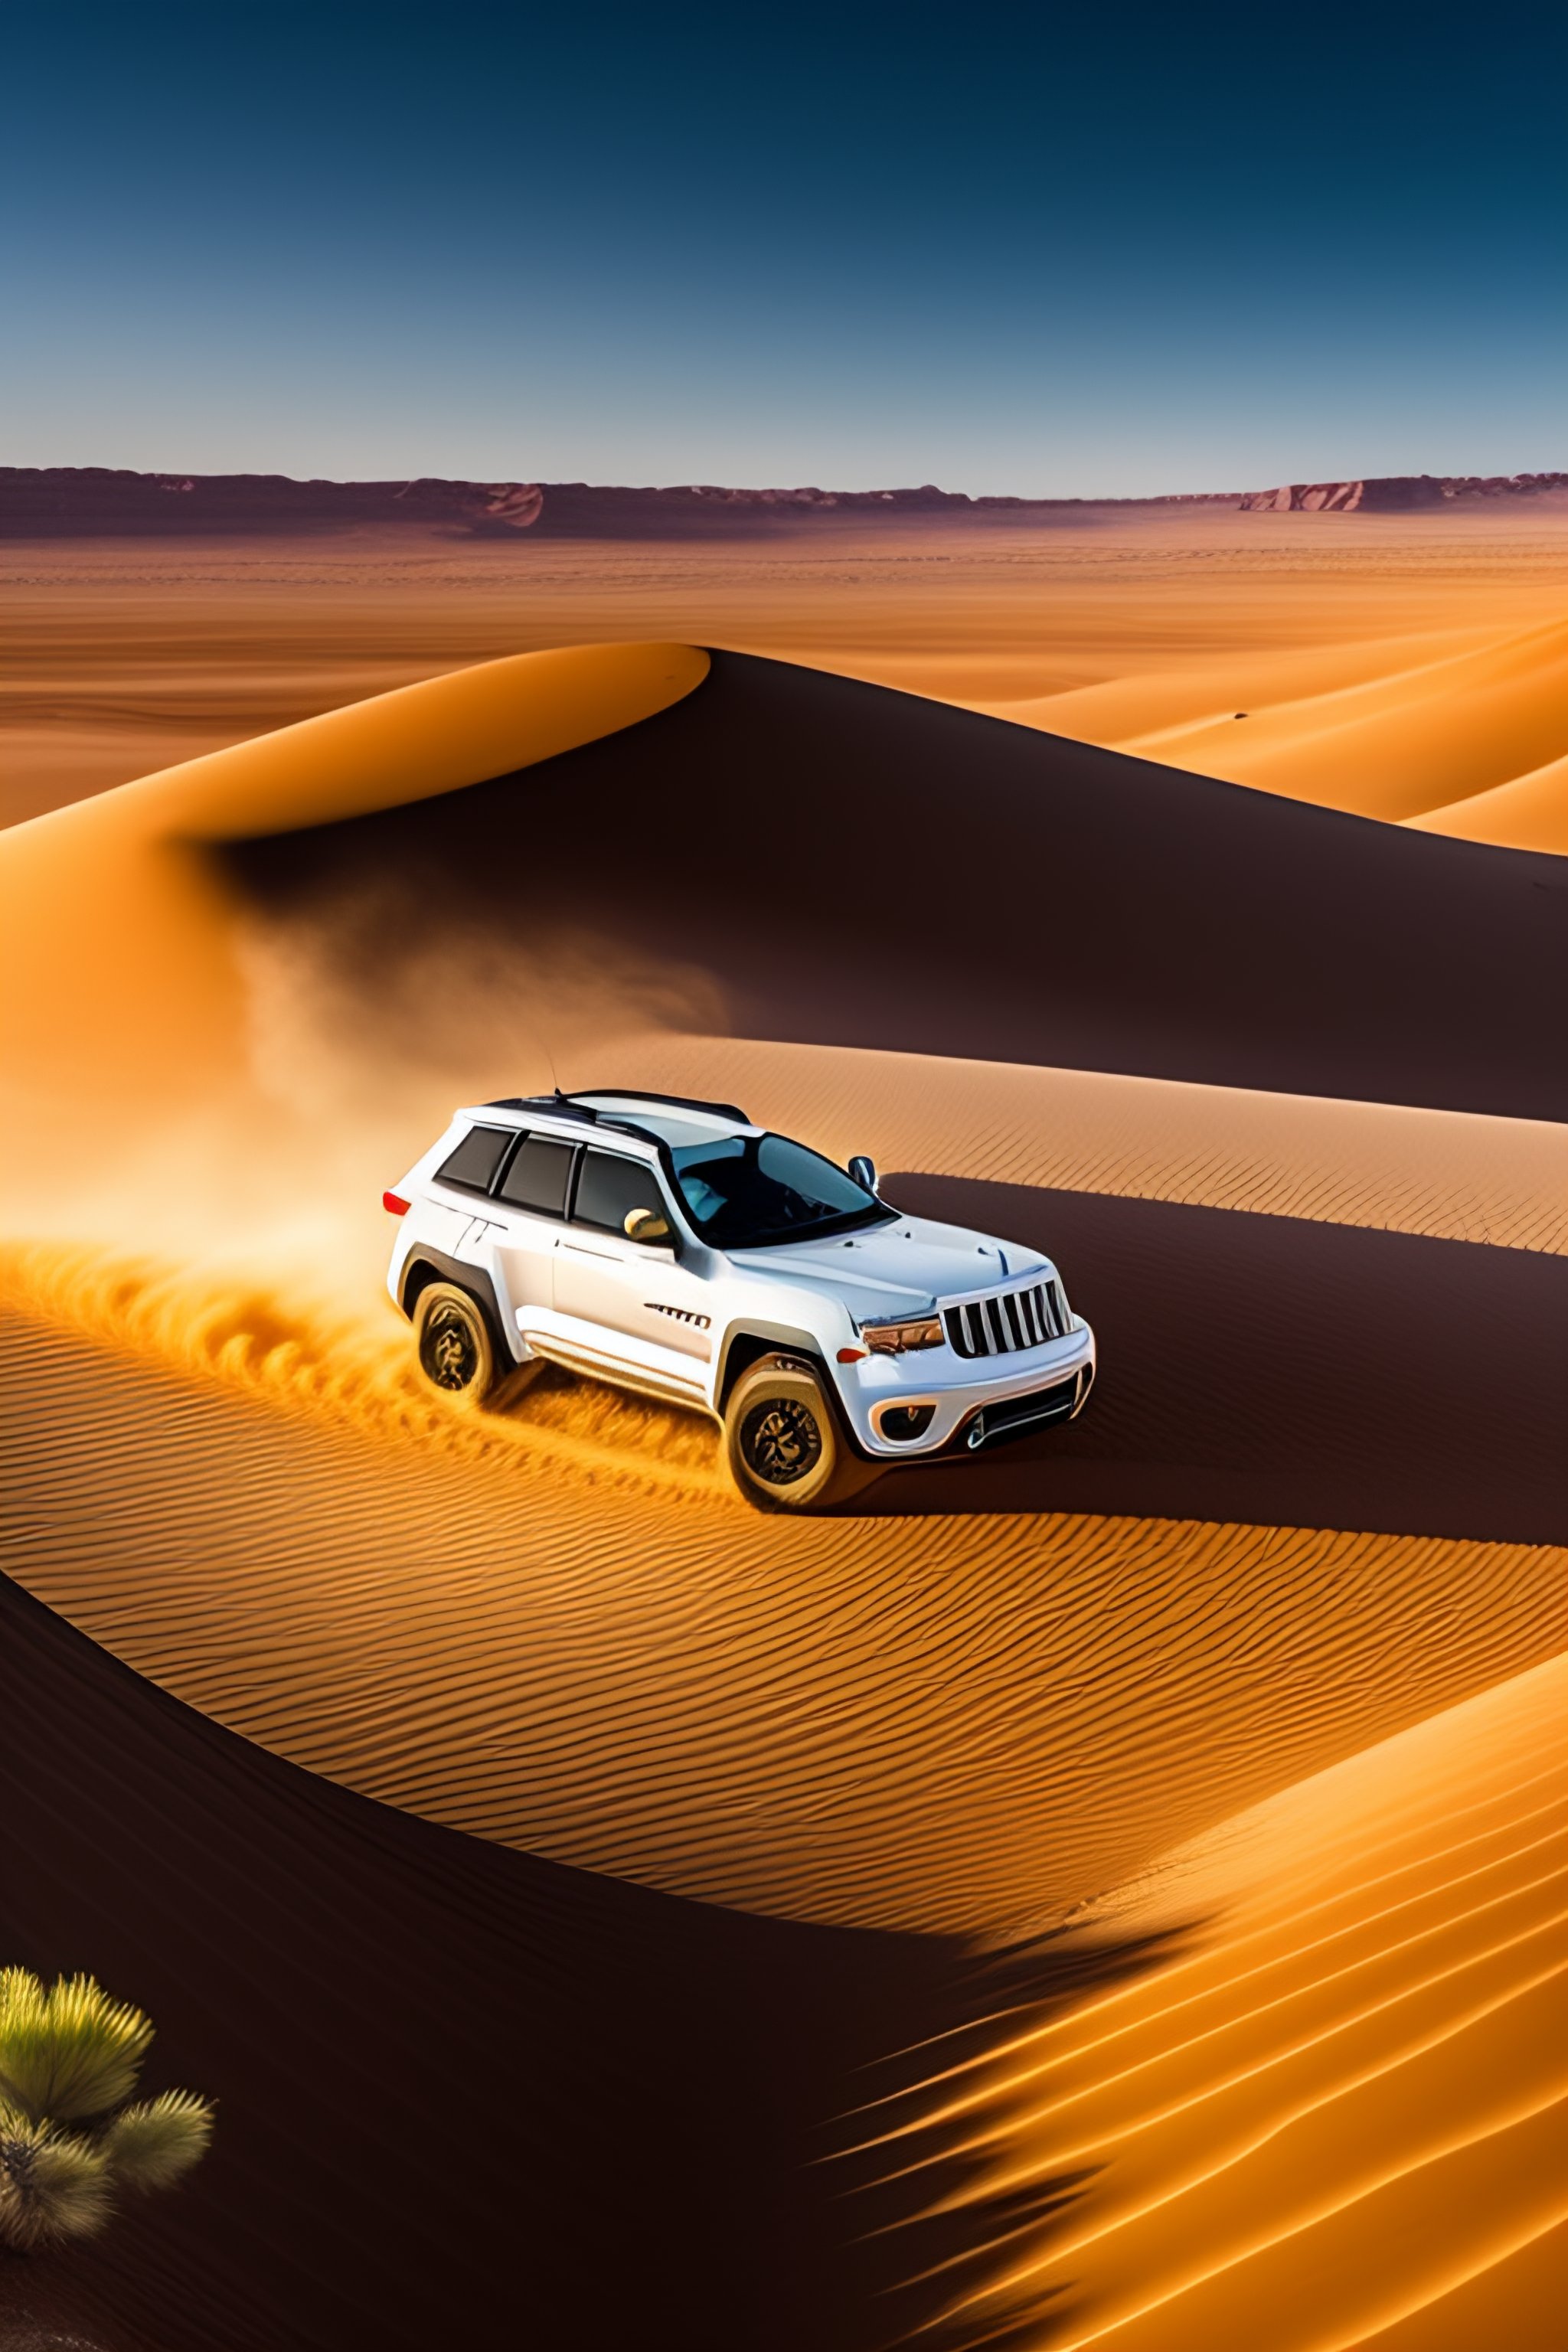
(1007, 1320)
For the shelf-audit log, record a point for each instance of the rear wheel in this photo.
(782, 1439)
(452, 1334)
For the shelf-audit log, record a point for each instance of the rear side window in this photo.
(537, 1177)
(608, 1188)
(476, 1159)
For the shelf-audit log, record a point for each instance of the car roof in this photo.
(662, 1120)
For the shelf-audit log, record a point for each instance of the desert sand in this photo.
(1402, 665)
(1330, 2112)
(1124, 1863)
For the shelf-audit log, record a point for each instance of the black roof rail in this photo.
(571, 1107)
(559, 1106)
(676, 1102)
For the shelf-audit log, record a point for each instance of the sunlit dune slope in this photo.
(522, 2078)
(1530, 812)
(1445, 726)
(1333, 2115)
(114, 902)
(960, 1720)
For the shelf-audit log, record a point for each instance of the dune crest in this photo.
(1529, 812)
(128, 658)
(1334, 2105)
(412, 743)
(1401, 742)
(159, 1023)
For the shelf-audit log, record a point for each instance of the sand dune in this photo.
(454, 2083)
(157, 1004)
(126, 658)
(1452, 1175)
(1297, 1153)
(1102, 913)
(1530, 812)
(1332, 2115)
(1425, 731)
(946, 1721)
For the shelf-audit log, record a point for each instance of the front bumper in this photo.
(996, 1424)
(1000, 1400)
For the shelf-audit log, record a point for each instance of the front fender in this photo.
(754, 1336)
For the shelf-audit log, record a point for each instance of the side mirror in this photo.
(645, 1225)
(863, 1170)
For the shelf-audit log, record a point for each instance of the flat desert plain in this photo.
(1109, 1893)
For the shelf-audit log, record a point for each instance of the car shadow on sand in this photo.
(1276, 1372)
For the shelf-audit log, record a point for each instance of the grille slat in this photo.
(1006, 1321)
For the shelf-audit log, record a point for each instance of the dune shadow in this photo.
(469, 2095)
(1276, 1372)
(1194, 930)
(916, 2173)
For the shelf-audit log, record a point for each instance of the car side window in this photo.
(538, 1176)
(474, 1163)
(610, 1188)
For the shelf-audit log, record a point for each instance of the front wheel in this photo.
(452, 1334)
(783, 1440)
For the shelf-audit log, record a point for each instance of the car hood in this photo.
(900, 1269)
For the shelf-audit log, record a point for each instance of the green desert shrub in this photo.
(72, 2133)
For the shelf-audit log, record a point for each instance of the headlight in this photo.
(894, 1338)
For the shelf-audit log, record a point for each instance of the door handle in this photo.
(580, 1249)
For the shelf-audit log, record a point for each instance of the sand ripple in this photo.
(1456, 1175)
(961, 1723)
(1335, 2116)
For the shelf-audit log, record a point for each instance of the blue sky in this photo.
(1046, 251)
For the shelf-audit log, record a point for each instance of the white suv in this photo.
(674, 1248)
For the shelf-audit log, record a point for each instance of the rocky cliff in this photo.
(1397, 493)
(100, 501)
(93, 501)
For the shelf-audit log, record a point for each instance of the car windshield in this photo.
(744, 1192)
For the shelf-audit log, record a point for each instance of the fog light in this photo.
(902, 1423)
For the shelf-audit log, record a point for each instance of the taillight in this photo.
(394, 1205)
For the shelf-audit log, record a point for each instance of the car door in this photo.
(530, 1203)
(632, 1300)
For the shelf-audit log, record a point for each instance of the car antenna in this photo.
(554, 1081)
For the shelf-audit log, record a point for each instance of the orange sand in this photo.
(562, 1633)
(1468, 739)
(1334, 2113)
(150, 1001)
(1114, 626)
(1456, 1174)
(568, 1636)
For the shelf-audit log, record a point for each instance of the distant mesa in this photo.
(1396, 493)
(88, 501)
(100, 501)
(106, 502)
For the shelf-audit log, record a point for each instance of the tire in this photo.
(784, 1441)
(456, 1347)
